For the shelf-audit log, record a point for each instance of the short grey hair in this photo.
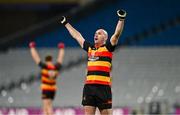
(105, 32)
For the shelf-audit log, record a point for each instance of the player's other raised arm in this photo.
(119, 27)
(34, 52)
(74, 33)
(61, 52)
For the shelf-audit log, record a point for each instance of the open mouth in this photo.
(95, 39)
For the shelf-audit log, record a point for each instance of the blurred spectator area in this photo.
(20, 14)
(157, 24)
(38, 1)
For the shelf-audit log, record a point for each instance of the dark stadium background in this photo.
(146, 63)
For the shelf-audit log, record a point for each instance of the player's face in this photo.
(100, 37)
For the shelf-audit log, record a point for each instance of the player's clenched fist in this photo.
(61, 45)
(122, 14)
(63, 20)
(32, 44)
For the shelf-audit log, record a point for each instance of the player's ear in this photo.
(106, 37)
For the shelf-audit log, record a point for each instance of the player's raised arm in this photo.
(119, 27)
(74, 33)
(34, 52)
(61, 53)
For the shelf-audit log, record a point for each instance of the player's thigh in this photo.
(47, 102)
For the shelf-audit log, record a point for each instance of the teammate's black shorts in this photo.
(48, 94)
(97, 95)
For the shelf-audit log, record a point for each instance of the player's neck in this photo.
(49, 62)
(97, 45)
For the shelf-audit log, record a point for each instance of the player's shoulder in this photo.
(109, 46)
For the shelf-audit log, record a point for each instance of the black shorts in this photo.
(97, 95)
(48, 94)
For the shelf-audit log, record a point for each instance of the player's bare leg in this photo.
(89, 110)
(106, 111)
(47, 107)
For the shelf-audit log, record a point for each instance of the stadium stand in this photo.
(141, 74)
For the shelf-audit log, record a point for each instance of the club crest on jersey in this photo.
(92, 57)
(52, 74)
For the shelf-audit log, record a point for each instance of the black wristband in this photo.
(121, 18)
(64, 23)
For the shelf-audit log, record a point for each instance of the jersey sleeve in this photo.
(86, 45)
(58, 66)
(110, 47)
(42, 65)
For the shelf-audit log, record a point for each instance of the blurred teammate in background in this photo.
(97, 88)
(49, 73)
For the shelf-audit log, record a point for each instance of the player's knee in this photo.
(106, 111)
